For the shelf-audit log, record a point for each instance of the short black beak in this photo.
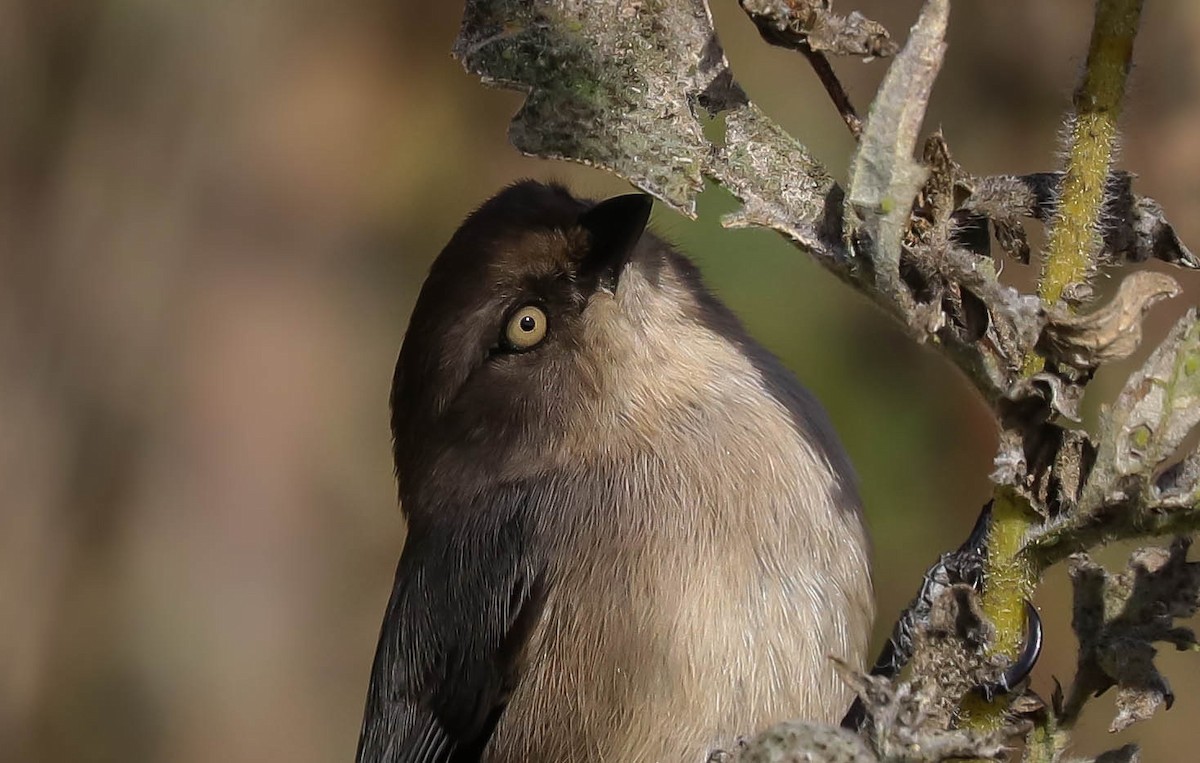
(615, 226)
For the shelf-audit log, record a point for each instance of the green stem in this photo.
(1075, 239)
(1074, 243)
(1010, 580)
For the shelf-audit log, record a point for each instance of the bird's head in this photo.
(547, 320)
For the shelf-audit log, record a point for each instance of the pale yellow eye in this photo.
(526, 328)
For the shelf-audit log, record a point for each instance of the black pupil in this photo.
(528, 323)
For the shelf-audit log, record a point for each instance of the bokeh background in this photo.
(214, 220)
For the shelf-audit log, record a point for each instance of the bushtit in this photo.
(632, 535)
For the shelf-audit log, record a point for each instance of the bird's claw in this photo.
(1021, 667)
(962, 566)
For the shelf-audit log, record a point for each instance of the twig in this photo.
(833, 86)
(811, 27)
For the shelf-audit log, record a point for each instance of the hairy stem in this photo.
(1075, 238)
(1076, 235)
(1075, 241)
(1010, 580)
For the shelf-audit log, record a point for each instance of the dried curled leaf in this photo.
(1058, 397)
(1119, 618)
(813, 24)
(1109, 333)
(1178, 487)
(915, 719)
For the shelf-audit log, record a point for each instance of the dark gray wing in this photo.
(463, 605)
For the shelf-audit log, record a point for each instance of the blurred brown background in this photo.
(214, 218)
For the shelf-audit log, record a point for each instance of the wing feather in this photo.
(453, 638)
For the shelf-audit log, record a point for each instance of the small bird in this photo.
(631, 534)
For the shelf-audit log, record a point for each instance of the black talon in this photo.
(965, 565)
(1023, 665)
(1019, 670)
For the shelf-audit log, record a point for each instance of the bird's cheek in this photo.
(606, 330)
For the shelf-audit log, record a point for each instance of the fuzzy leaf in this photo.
(1118, 620)
(623, 86)
(1159, 405)
(884, 176)
(800, 740)
(813, 24)
(1135, 227)
(614, 85)
(781, 185)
